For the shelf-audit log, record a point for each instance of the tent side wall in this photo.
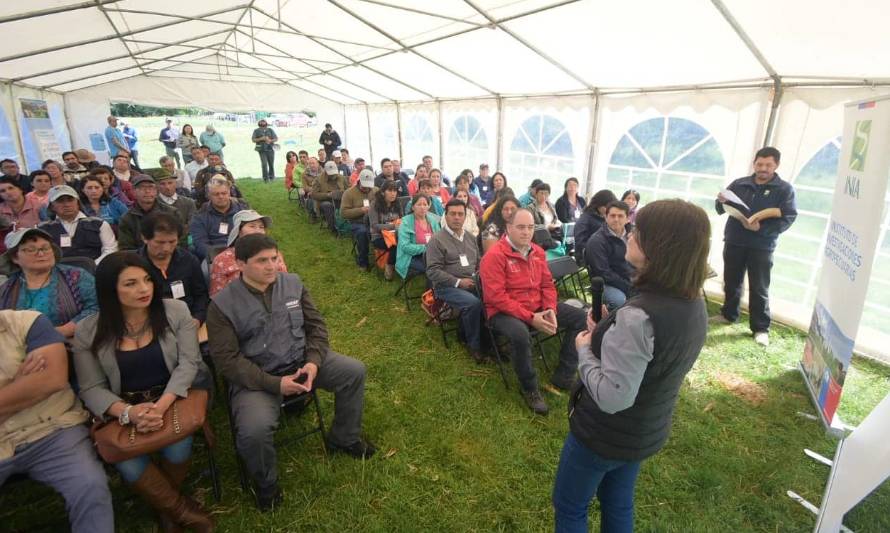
(17, 140)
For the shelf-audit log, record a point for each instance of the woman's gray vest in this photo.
(276, 341)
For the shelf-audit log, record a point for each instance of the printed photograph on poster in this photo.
(97, 142)
(34, 108)
(827, 356)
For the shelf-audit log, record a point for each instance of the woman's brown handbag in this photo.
(116, 443)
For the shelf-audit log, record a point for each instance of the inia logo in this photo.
(861, 134)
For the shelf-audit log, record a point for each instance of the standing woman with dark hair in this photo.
(631, 366)
(570, 205)
(133, 359)
(632, 199)
(186, 141)
(385, 215)
(591, 220)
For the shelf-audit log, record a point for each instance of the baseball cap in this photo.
(366, 178)
(330, 168)
(157, 173)
(483, 165)
(61, 190)
(245, 215)
(13, 239)
(336, 153)
(84, 155)
(140, 179)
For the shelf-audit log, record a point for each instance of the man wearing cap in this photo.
(265, 138)
(327, 191)
(211, 225)
(225, 269)
(176, 271)
(129, 235)
(115, 139)
(42, 423)
(483, 185)
(22, 210)
(10, 168)
(354, 207)
(130, 136)
(338, 159)
(76, 234)
(73, 170)
(168, 136)
(87, 158)
(167, 193)
(330, 141)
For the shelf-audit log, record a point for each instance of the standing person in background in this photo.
(169, 137)
(570, 205)
(115, 139)
(213, 140)
(632, 199)
(330, 141)
(130, 137)
(186, 142)
(265, 138)
(749, 248)
(632, 365)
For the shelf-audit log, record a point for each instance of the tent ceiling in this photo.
(377, 51)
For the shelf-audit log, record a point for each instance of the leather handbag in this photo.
(116, 443)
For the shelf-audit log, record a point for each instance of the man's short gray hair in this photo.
(218, 181)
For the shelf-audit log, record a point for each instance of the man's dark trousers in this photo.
(758, 263)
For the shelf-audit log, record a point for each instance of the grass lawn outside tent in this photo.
(458, 452)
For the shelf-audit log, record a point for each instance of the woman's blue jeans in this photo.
(178, 452)
(580, 475)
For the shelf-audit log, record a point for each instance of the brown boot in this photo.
(176, 473)
(156, 489)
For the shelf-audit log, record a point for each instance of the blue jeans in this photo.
(470, 307)
(361, 233)
(580, 475)
(418, 263)
(178, 452)
(613, 297)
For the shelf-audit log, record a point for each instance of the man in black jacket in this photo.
(330, 141)
(748, 247)
(605, 252)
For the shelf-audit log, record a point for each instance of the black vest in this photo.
(86, 241)
(680, 327)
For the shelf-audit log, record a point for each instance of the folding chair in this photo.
(81, 262)
(565, 271)
(404, 286)
(403, 202)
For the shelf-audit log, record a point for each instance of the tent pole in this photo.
(778, 92)
(592, 145)
(441, 138)
(399, 130)
(500, 134)
(20, 146)
(370, 144)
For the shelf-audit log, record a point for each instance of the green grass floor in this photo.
(459, 452)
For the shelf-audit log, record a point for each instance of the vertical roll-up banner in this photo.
(853, 230)
(38, 136)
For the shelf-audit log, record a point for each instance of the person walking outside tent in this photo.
(169, 136)
(265, 140)
(114, 138)
(132, 139)
(748, 246)
(330, 141)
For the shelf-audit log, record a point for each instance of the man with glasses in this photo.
(519, 295)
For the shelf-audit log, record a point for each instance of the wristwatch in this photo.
(124, 417)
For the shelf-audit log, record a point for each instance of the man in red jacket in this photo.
(519, 294)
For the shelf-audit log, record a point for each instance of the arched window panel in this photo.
(420, 134)
(384, 134)
(541, 148)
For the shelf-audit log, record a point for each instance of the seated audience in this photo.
(426, 188)
(134, 358)
(41, 184)
(327, 191)
(355, 206)
(214, 168)
(420, 173)
(397, 172)
(343, 168)
(387, 173)
(484, 185)
(22, 211)
(86, 158)
(347, 160)
(65, 294)
(197, 164)
(44, 434)
(528, 198)
(498, 194)
(519, 294)
(385, 215)
(129, 234)
(10, 168)
(293, 170)
(463, 183)
(269, 341)
(438, 188)
(471, 223)
(57, 174)
(359, 166)
(591, 220)
(176, 271)
(212, 223)
(225, 269)
(73, 170)
(452, 260)
(121, 168)
(570, 205)
(545, 213)
(311, 175)
(632, 199)
(115, 188)
(168, 194)
(95, 202)
(76, 234)
(605, 256)
(183, 179)
(496, 227)
(415, 232)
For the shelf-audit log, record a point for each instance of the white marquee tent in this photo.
(669, 98)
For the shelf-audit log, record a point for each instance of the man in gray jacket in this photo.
(452, 259)
(269, 341)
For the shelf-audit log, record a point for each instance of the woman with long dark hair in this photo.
(632, 365)
(134, 359)
(415, 232)
(186, 141)
(385, 215)
(496, 225)
(570, 205)
(632, 199)
(95, 202)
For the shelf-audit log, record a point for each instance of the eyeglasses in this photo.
(36, 251)
(530, 227)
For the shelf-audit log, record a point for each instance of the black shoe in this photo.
(360, 449)
(269, 499)
(534, 402)
(479, 357)
(562, 382)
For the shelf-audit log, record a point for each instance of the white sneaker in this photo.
(762, 338)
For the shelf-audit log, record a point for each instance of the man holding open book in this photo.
(761, 206)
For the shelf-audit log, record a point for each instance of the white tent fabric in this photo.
(668, 98)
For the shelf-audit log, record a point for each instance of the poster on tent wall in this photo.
(853, 229)
(38, 136)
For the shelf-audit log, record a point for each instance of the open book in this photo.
(739, 210)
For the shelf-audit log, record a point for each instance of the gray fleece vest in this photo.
(274, 341)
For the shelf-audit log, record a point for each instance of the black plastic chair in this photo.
(403, 202)
(404, 287)
(79, 261)
(566, 275)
